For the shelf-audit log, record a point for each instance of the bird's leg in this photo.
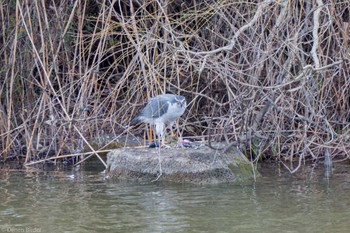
(170, 126)
(160, 134)
(163, 138)
(171, 137)
(150, 135)
(166, 140)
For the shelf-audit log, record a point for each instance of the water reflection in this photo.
(82, 201)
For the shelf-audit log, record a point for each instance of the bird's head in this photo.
(180, 101)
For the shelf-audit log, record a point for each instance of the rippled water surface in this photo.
(82, 201)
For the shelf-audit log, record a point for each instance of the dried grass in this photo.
(271, 76)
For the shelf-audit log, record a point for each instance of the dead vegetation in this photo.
(271, 77)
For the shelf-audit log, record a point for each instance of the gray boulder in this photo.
(198, 164)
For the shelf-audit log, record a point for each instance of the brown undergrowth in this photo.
(271, 77)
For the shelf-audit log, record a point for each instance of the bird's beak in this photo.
(183, 103)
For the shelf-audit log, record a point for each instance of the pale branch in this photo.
(259, 12)
(316, 20)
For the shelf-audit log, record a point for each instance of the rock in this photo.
(198, 164)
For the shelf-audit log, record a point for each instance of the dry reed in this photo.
(271, 77)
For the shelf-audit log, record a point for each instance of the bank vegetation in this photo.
(269, 77)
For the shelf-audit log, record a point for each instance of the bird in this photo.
(161, 111)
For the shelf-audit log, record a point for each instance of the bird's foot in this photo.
(184, 143)
(156, 144)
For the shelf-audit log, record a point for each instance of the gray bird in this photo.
(160, 111)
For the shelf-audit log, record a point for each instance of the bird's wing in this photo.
(156, 108)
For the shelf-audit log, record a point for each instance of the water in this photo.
(82, 201)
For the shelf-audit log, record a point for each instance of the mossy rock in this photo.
(198, 164)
